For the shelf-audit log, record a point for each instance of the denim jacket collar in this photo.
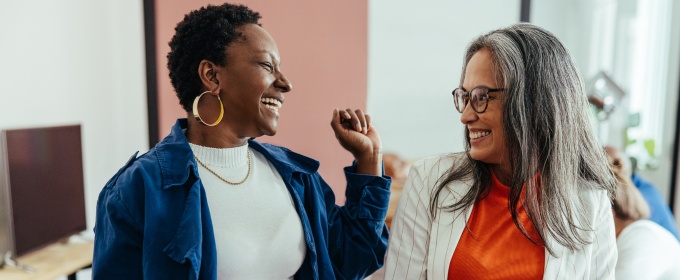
(177, 162)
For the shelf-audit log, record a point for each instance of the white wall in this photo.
(77, 61)
(415, 56)
(571, 22)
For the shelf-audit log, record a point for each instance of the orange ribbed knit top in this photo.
(492, 247)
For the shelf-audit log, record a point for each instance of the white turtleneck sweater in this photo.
(258, 233)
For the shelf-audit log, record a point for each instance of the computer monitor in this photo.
(41, 183)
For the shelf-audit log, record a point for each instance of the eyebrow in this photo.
(270, 55)
(480, 85)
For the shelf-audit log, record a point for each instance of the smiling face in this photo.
(487, 137)
(251, 84)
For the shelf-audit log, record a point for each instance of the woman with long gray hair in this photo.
(530, 196)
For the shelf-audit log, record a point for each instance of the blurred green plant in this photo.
(641, 150)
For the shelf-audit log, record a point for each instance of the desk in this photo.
(56, 260)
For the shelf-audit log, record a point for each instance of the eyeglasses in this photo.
(479, 96)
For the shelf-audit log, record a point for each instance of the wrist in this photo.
(369, 163)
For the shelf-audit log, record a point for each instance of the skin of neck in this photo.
(620, 224)
(219, 136)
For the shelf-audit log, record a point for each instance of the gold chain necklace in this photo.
(218, 176)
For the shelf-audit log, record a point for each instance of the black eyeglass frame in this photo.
(476, 96)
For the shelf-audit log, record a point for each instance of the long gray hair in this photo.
(548, 132)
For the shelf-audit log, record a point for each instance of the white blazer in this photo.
(421, 248)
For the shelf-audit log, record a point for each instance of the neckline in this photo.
(221, 157)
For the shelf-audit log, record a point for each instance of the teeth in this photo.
(475, 135)
(271, 103)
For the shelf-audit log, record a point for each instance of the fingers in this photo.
(363, 122)
(342, 121)
(368, 122)
(336, 121)
(353, 119)
(357, 119)
(350, 119)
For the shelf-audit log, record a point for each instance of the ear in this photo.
(207, 72)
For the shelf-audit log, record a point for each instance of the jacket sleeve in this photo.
(408, 248)
(118, 237)
(605, 254)
(357, 234)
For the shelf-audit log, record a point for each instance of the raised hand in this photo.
(355, 133)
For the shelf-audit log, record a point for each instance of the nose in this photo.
(283, 83)
(469, 115)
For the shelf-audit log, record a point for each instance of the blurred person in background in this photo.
(396, 168)
(659, 212)
(646, 250)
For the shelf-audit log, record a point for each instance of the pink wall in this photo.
(323, 48)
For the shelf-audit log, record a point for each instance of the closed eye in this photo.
(267, 66)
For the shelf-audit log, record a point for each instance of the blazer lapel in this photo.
(565, 264)
(447, 229)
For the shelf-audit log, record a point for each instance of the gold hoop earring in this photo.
(198, 117)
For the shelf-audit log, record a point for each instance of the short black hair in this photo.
(203, 34)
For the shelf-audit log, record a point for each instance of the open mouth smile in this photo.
(271, 103)
(479, 134)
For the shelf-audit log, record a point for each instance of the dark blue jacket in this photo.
(659, 212)
(153, 220)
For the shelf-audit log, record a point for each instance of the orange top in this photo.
(492, 247)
